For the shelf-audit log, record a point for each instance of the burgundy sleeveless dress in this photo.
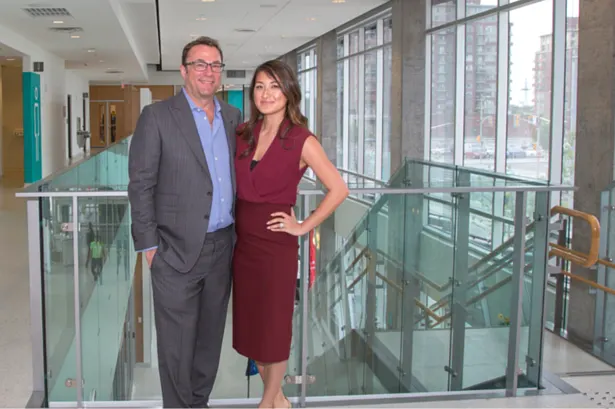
(265, 263)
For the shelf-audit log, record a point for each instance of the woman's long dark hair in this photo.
(286, 78)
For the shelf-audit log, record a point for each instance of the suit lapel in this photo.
(182, 113)
(229, 127)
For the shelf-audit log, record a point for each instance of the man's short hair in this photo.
(208, 41)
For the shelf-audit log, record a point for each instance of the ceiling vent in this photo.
(47, 12)
(245, 30)
(113, 71)
(235, 73)
(66, 29)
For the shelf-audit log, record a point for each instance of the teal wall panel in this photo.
(33, 169)
(235, 98)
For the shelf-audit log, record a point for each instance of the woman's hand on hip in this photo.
(282, 222)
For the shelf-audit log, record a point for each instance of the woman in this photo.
(274, 149)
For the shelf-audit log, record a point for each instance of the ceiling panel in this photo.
(278, 26)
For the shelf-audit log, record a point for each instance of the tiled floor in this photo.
(15, 347)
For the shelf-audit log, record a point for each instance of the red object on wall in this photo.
(312, 259)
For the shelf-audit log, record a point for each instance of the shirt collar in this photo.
(194, 107)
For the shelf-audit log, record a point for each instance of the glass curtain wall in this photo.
(364, 98)
(307, 75)
(503, 78)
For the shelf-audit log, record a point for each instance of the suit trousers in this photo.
(190, 314)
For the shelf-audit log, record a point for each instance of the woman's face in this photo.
(268, 95)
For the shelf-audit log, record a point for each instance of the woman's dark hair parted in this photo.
(287, 80)
(208, 41)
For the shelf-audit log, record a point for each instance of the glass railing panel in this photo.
(295, 362)
(427, 266)
(534, 288)
(103, 348)
(403, 282)
(490, 298)
(58, 279)
(334, 305)
(448, 175)
(107, 313)
(604, 322)
(477, 351)
(105, 170)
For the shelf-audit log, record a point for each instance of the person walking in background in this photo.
(274, 149)
(97, 256)
(181, 192)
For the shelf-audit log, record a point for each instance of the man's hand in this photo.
(149, 256)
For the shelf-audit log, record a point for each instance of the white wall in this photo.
(53, 99)
(0, 121)
(75, 87)
(54, 81)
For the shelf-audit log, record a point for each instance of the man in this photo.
(181, 191)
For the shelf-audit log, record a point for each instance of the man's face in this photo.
(200, 78)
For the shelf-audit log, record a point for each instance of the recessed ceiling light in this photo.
(338, 1)
(91, 50)
(10, 59)
(58, 22)
(201, 18)
(102, 61)
(208, 1)
(75, 36)
(311, 19)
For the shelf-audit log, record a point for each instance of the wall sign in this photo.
(33, 169)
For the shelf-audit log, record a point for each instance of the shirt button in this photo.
(220, 179)
(216, 158)
(222, 200)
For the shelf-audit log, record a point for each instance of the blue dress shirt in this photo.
(215, 146)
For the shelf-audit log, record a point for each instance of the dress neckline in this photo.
(257, 131)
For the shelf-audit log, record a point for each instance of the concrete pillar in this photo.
(326, 127)
(408, 81)
(595, 145)
(407, 139)
(290, 58)
(326, 108)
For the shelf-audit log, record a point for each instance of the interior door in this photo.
(98, 125)
(116, 122)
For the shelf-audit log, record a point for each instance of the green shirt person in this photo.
(96, 253)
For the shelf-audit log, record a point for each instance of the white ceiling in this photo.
(123, 35)
(280, 26)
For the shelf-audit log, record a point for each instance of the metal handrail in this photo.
(356, 174)
(315, 192)
(585, 260)
(588, 282)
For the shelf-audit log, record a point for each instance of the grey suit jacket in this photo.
(170, 187)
